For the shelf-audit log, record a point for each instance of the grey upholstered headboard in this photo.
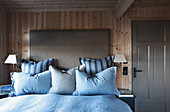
(66, 46)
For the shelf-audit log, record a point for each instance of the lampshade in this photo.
(120, 58)
(12, 59)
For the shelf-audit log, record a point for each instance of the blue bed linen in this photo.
(63, 103)
(27, 84)
(101, 83)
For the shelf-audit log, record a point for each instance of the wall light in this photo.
(119, 58)
(12, 59)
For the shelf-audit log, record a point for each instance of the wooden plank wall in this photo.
(20, 23)
(4, 72)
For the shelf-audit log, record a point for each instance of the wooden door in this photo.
(151, 65)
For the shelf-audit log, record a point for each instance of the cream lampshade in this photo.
(119, 58)
(12, 59)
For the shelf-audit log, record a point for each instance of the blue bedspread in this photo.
(63, 103)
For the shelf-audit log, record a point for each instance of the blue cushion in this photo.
(101, 83)
(27, 84)
(12, 94)
(33, 68)
(93, 66)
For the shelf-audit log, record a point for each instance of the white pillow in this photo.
(63, 82)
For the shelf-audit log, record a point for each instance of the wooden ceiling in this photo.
(72, 4)
(120, 6)
(159, 3)
(57, 4)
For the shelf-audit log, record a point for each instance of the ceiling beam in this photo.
(121, 7)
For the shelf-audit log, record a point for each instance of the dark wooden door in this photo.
(151, 65)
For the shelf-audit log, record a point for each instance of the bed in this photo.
(63, 103)
(97, 94)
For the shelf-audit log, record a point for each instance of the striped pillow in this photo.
(33, 68)
(93, 66)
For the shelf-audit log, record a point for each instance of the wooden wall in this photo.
(4, 73)
(20, 23)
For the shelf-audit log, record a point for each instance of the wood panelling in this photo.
(4, 72)
(56, 4)
(20, 23)
(20, 5)
(152, 3)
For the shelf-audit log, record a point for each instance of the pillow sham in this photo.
(33, 68)
(93, 66)
(27, 84)
(12, 93)
(101, 83)
(63, 82)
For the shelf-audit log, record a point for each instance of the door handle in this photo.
(134, 71)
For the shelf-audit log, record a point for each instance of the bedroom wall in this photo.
(4, 74)
(20, 23)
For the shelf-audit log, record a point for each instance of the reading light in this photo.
(12, 59)
(119, 58)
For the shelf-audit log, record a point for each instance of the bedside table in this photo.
(127, 96)
(4, 91)
(3, 95)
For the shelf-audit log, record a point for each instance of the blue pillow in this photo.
(27, 84)
(93, 66)
(101, 83)
(33, 68)
(13, 81)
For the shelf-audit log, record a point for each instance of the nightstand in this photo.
(3, 95)
(4, 91)
(127, 96)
